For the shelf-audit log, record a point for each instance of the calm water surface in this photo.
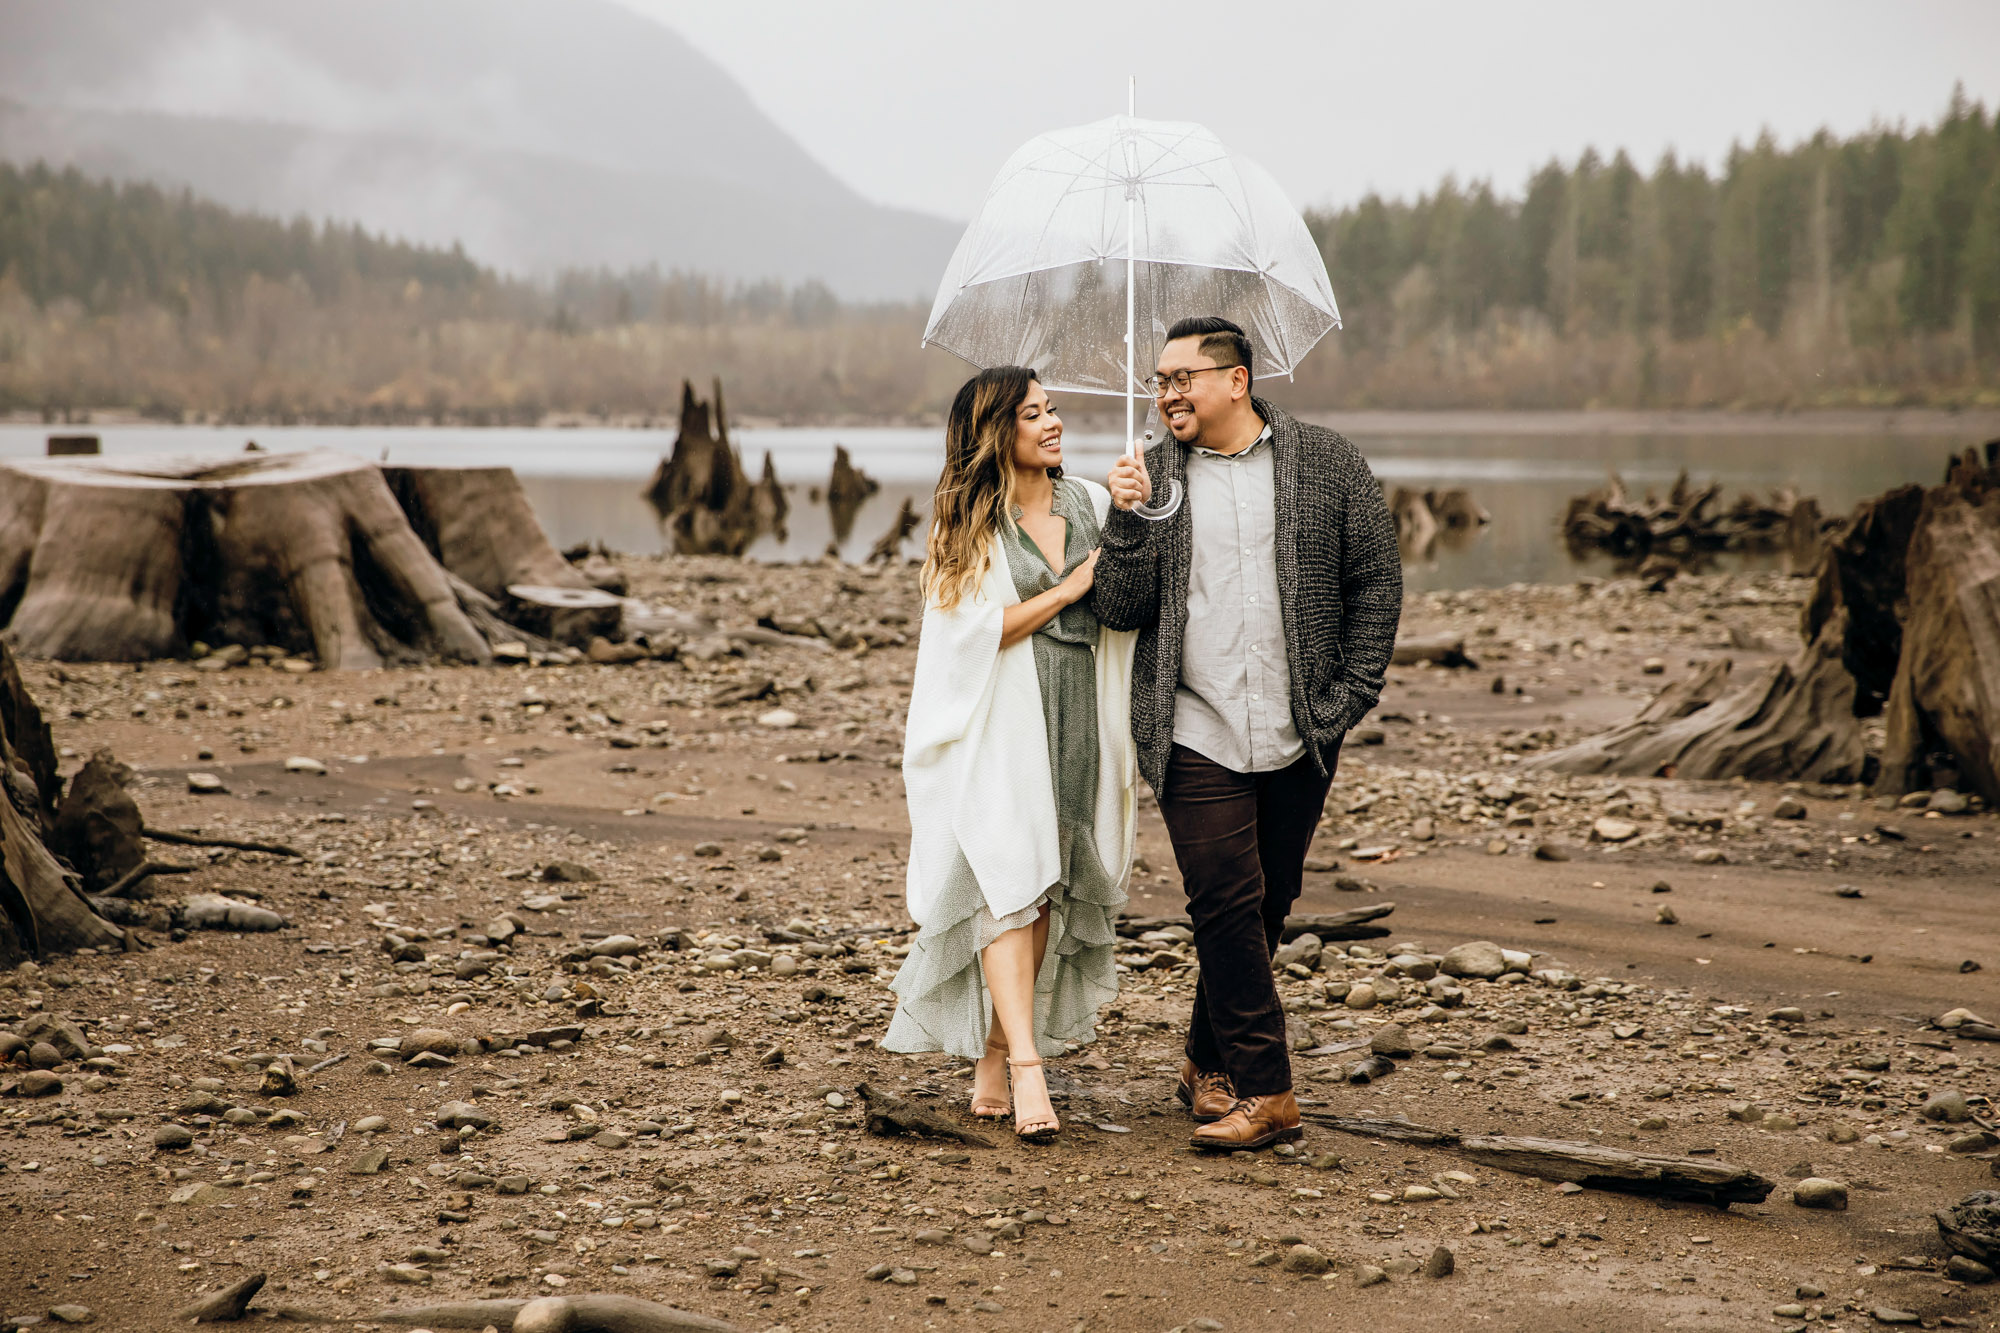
(585, 483)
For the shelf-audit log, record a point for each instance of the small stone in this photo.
(1667, 916)
(371, 1124)
(1788, 1014)
(1441, 1263)
(1819, 1192)
(1391, 1040)
(1962, 1269)
(405, 1272)
(1423, 830)
(1606, 829)
(1307, 1260)
(39, 1083)
(303, 764)
(1888, 1314)
(206, 784)
(1948, 802)
(1948, 1106)
(72, 1314)
(1842, 1133)
(1362, 996)
(778, 719)
(171, 1138)
(1789, 807)
(1368, 1275)
(1549, 851)
(1745, 1113)
(1480, 958)
(436, 1041)
(1710, 856)
(368, 1163)
(1420, 1194)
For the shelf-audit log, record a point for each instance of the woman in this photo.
(1017, 760)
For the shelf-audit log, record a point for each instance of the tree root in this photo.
(128, 881)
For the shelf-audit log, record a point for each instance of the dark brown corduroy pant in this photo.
(1241, 840)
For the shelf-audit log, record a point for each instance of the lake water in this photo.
(1522, 467)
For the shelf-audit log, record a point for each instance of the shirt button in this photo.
(1253, 596)
(1255, 697)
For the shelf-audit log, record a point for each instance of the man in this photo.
(1267, 610)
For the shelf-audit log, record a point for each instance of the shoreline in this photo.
(1582, 422)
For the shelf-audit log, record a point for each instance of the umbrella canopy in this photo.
(1207, 231)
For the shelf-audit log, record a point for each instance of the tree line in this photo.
(1852, 271)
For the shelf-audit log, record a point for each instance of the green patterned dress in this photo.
(941, 988)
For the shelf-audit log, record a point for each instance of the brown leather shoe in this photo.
(1210, 1096)
(1257, 1122)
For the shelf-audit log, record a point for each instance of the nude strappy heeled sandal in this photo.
(984, 1108)
(1041, 1131)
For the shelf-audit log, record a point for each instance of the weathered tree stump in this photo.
(847, 489)
(129, 558)
(1609, 519)
(889, 546)
(768, 505)
(1442, 650)
(700, 490)
(1904, 615)
(41, 910)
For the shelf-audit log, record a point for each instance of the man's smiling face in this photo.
(1210, 392)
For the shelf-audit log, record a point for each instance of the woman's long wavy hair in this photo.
(975, 493)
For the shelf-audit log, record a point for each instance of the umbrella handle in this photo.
(1165, 509)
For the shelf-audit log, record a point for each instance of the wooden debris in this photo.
(1348, 925)
(556, 1314)
(97, 826)
(1971, 1227)
(1591, 1165)
(847, 489)
(216, 840)
(890, 1115)
(132, 878)
(224, 1306)
(1684, 523)
(1443, 650)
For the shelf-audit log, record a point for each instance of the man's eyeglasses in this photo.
(1181, 380)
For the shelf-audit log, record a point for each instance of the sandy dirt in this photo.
(699, 1140)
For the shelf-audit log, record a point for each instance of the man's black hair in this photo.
(1221, 340)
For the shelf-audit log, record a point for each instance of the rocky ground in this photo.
(582, 968)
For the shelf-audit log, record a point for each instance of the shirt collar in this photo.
(1262, 440)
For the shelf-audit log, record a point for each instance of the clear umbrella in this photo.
(1037, 279)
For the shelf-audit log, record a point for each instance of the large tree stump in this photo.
(41, 910)
(130, 558)
(1944, 702)
(847, 489)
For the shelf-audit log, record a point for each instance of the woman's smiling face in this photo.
(1037, 431)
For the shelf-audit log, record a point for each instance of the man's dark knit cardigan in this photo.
(1340, 584)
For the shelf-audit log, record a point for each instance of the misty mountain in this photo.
(540, 133)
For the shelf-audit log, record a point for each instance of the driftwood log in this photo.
(890, 1115)
(130, 558)
(1588, 1164)
(1348, 925)
(556, 1314)
(1904, 619)
(42, 911)
(700, 491)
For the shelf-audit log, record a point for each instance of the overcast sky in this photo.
(917, 102)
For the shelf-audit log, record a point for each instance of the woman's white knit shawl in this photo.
(976, 752)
